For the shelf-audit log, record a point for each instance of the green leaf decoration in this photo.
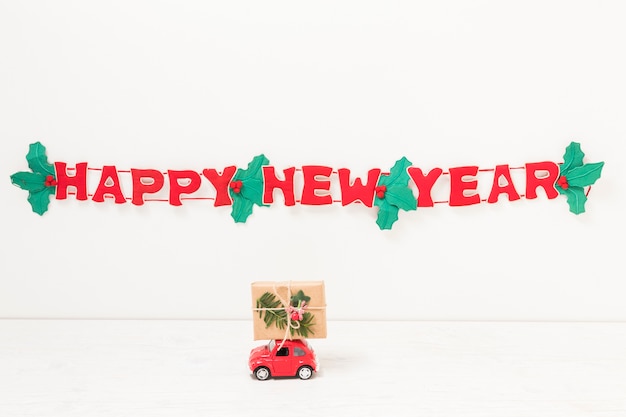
(273, 313)
(578, 175)
(242, 208)
(576, 199)
(38, 161)
(401, 197)
(387, 215)
(573, 157)
(305, 326)
(295, 299)
(29, 181)
(398, 196)
(584, 175)
(251, 189)
(398, 174)
(35, 182)
(39, 200)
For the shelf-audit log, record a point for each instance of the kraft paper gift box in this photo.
(288, 310)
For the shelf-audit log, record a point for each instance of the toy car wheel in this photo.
(305, 372)
(262, 373)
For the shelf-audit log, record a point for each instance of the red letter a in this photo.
(109, 184)
(508, 188)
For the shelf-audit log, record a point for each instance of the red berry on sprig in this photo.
(236, 186)
(562, 182)
(50, 181)
(380, 191)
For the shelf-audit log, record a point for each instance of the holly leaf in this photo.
(295, 299)
(397, 194)
(29, 181)
(576, 199)
(572, 158)
(38, 161)
(252, 189)
(402, 197)
(39, 200)
(254, 169)
(35, 182)
(577, 175)
(251, 192)
(387, 215)
(398, 174)
(584, 175)
(242, 208)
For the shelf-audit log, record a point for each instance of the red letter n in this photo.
(271, 182)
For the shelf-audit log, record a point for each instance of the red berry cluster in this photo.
(380, 191)
(562, 182)
(296, 313)
(236, 186)
(50, 181)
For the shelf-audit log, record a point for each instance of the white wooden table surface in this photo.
(199, 368)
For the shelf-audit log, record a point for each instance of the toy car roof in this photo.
(291, 341)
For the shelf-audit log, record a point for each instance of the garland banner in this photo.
(242, 189)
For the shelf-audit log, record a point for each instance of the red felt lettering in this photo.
(271, 182)
(424, 184)
(502, 171)
(221, 183)
(312, 184)
(141, 187)
(459, 188)
(78, 180)
(358, 191)
(109, 185)
(192, 185)
(533, 180)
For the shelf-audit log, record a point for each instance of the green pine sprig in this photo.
(273, 313)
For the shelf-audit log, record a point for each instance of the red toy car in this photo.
(294, 358)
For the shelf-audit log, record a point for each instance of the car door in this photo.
(283, 365)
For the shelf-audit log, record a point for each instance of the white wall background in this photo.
(358, 84)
